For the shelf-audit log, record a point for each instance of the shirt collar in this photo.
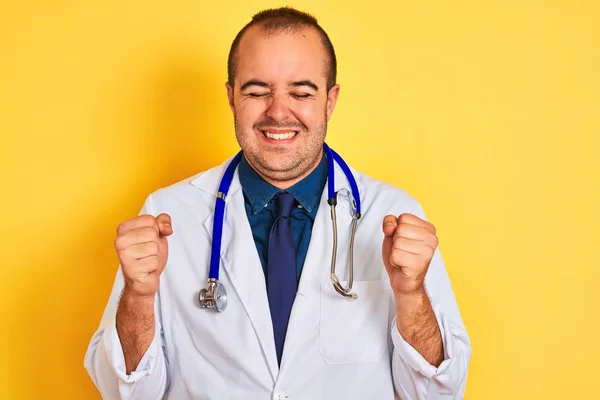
(259, 192)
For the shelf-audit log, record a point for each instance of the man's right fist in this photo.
(143, 249)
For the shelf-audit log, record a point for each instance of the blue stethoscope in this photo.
(215, 295)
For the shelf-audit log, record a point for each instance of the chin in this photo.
(279, 163)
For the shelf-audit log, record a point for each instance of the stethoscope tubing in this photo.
(219, 216)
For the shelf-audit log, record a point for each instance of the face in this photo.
(280, 103)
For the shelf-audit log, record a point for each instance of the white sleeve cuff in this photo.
(415, 360)
(116, 359)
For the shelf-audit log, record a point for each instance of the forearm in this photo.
(418, 326)
(135, 322)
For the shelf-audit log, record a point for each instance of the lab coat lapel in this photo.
(242, 265)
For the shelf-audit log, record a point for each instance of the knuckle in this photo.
(147, 220)
(118, 243)
(121, 242)
(123, 252)
(121, 229)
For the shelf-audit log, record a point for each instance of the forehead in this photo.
(281, 56)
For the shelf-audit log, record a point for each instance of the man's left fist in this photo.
(408, 247)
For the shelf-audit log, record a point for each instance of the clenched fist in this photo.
(408, 247)
(143, 249)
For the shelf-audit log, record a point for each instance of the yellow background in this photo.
(486, 111)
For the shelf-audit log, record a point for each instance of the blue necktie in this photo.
(281, 270)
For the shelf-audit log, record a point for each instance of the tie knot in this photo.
(286, 203)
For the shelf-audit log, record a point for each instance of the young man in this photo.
(286, 333)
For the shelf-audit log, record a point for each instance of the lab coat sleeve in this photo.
(414, 378)
(105, 362)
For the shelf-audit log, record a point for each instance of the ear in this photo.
(230, 96)
(332, 97)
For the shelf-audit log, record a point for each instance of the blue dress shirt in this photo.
(261, 208)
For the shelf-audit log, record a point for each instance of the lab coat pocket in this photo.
(354, 331)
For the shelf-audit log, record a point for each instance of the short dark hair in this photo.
(283, 19)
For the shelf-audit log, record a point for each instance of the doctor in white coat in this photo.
(403, 337)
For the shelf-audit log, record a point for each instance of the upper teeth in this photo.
(280, 136)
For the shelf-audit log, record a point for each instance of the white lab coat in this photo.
(335, 348)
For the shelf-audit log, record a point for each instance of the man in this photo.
(286, 333)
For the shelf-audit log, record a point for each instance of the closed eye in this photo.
(301, 95)
(258, 95)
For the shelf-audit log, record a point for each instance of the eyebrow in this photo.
(306, 83)
(254, 82)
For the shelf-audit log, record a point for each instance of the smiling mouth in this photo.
(279, 135)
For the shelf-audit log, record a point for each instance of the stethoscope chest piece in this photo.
(214, 296)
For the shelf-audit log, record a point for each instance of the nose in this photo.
(278, 108)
